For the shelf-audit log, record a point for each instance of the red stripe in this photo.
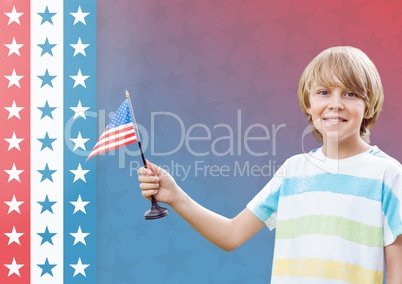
(125, 141)
(104, 142)
(115, 131)
(22, 129)
(106, 139)
(109, 149)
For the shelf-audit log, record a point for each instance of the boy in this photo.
(337, 210)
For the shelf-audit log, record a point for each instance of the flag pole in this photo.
(155, 212)
(137, 133)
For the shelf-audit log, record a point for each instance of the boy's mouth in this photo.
(331, 121)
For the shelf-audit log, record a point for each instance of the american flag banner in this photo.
(119, 132)
(48, 99)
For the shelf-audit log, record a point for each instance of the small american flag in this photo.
(119, 132)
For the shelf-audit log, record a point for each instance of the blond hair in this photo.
(354, 69)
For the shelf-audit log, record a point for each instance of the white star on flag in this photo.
(14, 237)
(13, 110)
(79, 142)
(14, 47)
(14, 16)
(14, 142)
(13, 205)
(79, 47)
(13, 79)
(79, 16)
(14, 268)
(14, 173)
(79, 205)
(79, 110)
(79, 173)
(79, 236)
(79, 79)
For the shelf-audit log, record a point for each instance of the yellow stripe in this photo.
(326, 269)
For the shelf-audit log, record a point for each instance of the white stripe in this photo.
(116, 129)
(332, 247)
(331, 204)
(111, 145)
(314, 164)
(114, 136)
(54, 159)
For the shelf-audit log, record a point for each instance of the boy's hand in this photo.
(158, 182)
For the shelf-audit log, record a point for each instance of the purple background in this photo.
(204, 61)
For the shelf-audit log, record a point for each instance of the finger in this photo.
(149, 193)
(148, 186)
(155, 169)
(143, 178)
(145, 171)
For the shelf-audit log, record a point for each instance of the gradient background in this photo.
(204, 61)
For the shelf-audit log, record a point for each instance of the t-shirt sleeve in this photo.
(265, 204)
(392, 207)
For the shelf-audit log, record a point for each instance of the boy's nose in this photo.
(336, 103)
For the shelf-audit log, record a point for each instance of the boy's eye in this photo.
(324, 93)
(350, 95)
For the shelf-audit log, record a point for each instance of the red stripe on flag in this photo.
(110, 147)
(114, 138)
(117, 141)
(14, 62)
(111, 138)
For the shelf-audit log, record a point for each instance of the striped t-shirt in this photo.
(332, 217)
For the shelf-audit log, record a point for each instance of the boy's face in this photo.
(337, 112)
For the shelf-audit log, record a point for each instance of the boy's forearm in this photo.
(214, 227)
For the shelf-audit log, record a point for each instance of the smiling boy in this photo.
(337, 210)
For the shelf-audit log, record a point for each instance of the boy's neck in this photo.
(344, 149)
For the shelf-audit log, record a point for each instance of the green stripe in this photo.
(330, 226)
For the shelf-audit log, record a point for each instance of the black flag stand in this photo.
(155, 212)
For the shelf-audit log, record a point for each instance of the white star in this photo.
(14, 79)
(79, 205)
(14, 174)
(14, 47)
(79, 267)
(14, 16)
(79, 142)
(79, 236)
(79, 173)
(79, 47)
(14, 142)
(79, 110)
(14, 237)
(79, 79)
(14, 268)
(13, 205)
(79, 16)
(13, 110)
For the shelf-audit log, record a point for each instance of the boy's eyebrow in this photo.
(330, 85)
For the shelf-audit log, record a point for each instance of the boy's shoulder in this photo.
(314, 162)
(376, 153)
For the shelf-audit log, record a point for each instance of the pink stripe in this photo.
(18, 91)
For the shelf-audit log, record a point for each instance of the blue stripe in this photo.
(88, 129)
(342, 184)
(391, 208)
(268, 207)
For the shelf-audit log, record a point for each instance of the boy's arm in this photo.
(226, 233)
(393, 261)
